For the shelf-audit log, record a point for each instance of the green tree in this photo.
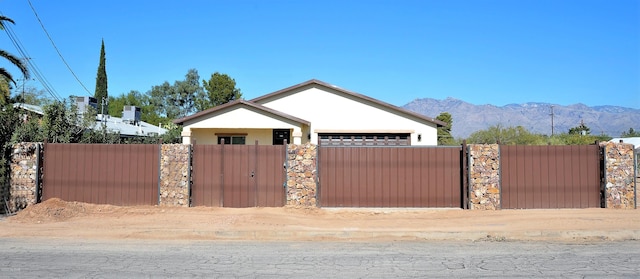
(100, 135)
(578, 139)
(61, 122)
(444, 132)
(29, 131)
(161, 97)
(135, 98)
(173, 134)
(33, 96)
(581, 129)
(5, 88)
(10, 120)
(101, 94)
(12, 59)
(187, 91)
(630, 134)
(177, 100)
(219, 89)
(509, 136)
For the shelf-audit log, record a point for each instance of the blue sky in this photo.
(481, 51)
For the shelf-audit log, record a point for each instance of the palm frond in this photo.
(3, 19)
(15, 61)
(4, 73)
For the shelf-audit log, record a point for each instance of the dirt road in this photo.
(60, 219)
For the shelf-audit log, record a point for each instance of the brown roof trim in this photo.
(354, 94)
(246, 103)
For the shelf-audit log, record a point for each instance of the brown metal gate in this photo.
(390, 176)
(550, 176)
(119, 174)
(238, 175)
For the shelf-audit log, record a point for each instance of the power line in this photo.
(56, 48)
(34, 68)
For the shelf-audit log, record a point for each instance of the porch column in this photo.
(297, 135)
(186, 135)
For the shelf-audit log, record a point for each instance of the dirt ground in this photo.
(55, 218)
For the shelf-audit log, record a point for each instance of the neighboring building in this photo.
(312, 111)
(128, 126)
(633, 140)
(29, 111)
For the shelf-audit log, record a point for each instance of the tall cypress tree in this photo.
(101, 83)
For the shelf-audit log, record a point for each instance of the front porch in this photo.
(245, 136)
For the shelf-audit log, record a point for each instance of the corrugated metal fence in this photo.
(253, 175)
(238, 175)
(119, 174)
(390, 176)
(550, 176)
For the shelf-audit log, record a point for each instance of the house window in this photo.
(232, 139)
(280, 135)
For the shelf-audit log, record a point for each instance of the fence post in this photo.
(221, 202)
(285, 166)
(189, 174)
(39, 151)
(159, 171)
(465, 178)
(253, 175)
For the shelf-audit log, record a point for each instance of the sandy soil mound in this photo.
(57, 210)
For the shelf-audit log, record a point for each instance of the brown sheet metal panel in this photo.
(390, 177)
(563, 167)
(358, 177)
(238, 189)
(412, 172)
(550, 176)
(401, 181)
(269, 176)
(100, 173)
(542, 168)
(370, 190)
(207, 175)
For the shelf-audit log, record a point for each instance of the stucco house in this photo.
(312, 111)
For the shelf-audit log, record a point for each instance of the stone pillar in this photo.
(484, 176)
(619, 171)
(25, 176)
(186, 135)
(301, 175)
(175, 162)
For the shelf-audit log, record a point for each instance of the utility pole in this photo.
(103, 102)
(551, 120)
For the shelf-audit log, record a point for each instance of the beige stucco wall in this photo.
(240, 117)
(239, 120)
(332, 111)
(208, 136)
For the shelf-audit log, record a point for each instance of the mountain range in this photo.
(535, 117)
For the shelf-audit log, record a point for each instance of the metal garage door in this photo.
(364, 139)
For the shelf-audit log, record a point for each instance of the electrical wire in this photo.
(35, 71)
(56, 48)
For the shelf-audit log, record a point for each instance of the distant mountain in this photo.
(535, 117)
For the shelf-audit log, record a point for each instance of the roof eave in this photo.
(357, 95)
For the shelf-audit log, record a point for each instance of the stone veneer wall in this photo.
(484, 176)
(301, 175)
(620, 185)
(175, 164)
(25, 178)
